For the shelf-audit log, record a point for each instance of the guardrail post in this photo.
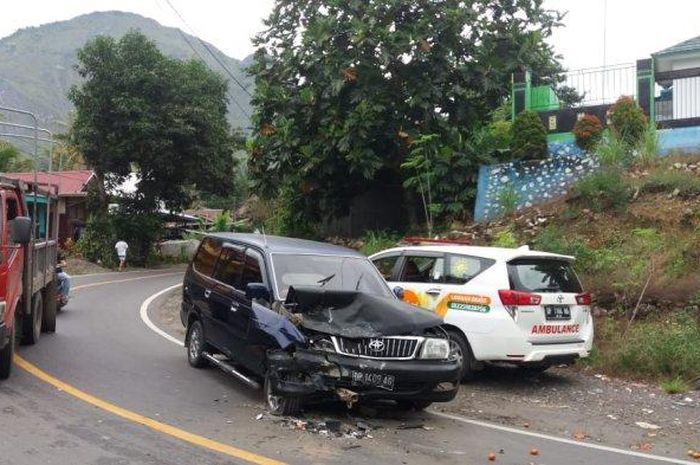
(520, 100)
(645, 87)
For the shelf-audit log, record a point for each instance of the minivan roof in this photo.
(495, 253)
(287, 245)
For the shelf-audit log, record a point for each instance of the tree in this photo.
(164, 118)
(11, 160)
(343, 87)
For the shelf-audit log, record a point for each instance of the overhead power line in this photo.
(208, 49)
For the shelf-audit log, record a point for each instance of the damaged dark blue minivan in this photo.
(313, 321)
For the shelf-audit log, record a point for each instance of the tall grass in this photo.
(663, 349)
(376, 241)
(507, 200)
(648, 148)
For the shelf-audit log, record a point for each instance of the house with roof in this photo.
(677, 70)
(72, 188)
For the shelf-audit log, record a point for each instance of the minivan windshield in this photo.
(542, 275)
(327, 272)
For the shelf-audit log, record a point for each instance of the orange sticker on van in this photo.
(464, 302)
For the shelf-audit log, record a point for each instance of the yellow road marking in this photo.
(114, 281)
(143, 420)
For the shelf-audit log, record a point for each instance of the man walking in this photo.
(121, 248)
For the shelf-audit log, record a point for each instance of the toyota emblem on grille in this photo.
(376, 345)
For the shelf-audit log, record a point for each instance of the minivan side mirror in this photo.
(398, 292)
(20, 230)
(258, 291)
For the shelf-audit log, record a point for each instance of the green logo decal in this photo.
(468, 307)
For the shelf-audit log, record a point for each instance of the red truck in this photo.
(28, 251)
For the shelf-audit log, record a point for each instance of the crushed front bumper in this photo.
(316, 374)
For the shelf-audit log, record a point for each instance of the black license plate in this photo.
(557, 312)
(369, 379)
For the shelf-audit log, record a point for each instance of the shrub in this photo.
(627, 121)
(221, 222)
(604, 190)
(667, 181)
(376, 241)
(676, 385)
(529, 141)
(588, 131)
(97, 241)
(505, 238)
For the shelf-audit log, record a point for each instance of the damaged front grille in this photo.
(393, 347)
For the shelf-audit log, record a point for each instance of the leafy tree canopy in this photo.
(11, 160)
(164, 118)
(343, 87)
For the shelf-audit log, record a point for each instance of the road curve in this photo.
(104, 350)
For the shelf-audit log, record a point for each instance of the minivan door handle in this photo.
(434, 291)
(207, 293)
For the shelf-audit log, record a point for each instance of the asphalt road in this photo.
(140, 403)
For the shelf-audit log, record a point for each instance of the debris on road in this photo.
(645, 425)
(411, 426)
(492, 457)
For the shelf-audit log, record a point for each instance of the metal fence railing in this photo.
(603, 85)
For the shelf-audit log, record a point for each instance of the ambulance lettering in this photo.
(555, 329)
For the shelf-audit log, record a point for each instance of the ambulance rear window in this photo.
(542, 275)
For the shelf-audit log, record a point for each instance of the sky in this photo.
(635, 28)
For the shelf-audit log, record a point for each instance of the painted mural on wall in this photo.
(535, 182)
(531, 182)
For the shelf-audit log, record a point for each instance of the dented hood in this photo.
(356, 314)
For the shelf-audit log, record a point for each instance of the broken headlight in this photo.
(323, 344)
(434, 348)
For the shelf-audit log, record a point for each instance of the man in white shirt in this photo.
(121, 248)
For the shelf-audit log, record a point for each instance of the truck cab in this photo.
(28, 251)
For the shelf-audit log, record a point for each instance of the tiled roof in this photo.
(69, 183)
(689, 45)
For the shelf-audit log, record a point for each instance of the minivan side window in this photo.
(386, 265)
(253, 270)
(206, 256)
(417, 269)
(462, 268)
(230, 267)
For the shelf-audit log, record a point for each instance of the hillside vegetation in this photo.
(37, 63)
(635, 233)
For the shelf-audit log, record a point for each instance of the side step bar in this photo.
(229, 369)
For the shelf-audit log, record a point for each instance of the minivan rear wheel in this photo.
(196, 345)
(459, 348)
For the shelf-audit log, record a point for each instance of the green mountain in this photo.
(37, 63)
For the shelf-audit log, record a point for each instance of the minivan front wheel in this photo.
(278, 404)
(195, 345)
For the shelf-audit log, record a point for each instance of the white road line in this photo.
(144, 315)
(104, 273)
(469, 421)
(570, 442)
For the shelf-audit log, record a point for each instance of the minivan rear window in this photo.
(206, 256)
(542, 275)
